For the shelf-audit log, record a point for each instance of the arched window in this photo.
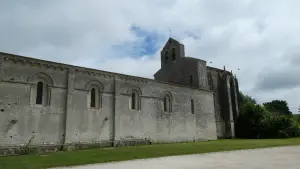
(167, 103)
(192, 106)
(173, 54)
(40, 89)
(134, 98)
(39, 93)
(133, 101)
(94, 94)
(93, 98)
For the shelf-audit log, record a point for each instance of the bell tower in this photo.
(178, 69)
(171, 52)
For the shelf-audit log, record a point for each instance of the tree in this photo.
(248, 122)
(270, 120)
(244, 100)
(278, 107)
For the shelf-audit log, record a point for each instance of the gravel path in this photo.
(269, 158)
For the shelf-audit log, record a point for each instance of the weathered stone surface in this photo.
(66, 116)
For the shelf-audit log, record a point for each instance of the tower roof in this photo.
(171, 41)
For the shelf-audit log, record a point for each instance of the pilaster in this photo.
(235, 98)
(69, 105)
(114, 117)
(229, 100)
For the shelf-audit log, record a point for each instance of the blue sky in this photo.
(147, 43)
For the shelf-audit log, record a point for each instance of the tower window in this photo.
(191, 79)
(93, 98)
(39, 93)
(166, 56)
(173, 54)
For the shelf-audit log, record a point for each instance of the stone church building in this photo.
(58, 104)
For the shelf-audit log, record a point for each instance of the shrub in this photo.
(255, 122)
(248, 123)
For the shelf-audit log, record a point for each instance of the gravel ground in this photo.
(269, 158)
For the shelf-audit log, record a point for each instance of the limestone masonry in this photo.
(57, 104)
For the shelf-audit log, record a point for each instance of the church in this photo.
(49, 103)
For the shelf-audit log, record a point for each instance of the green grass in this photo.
(90, 156)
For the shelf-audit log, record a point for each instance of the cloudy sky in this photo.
(261, 38)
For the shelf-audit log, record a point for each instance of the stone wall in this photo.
(20, 120)
(186, 71)
(215, 83)
(225, 90)
(152, 122)
(86, 124)
(65, 116)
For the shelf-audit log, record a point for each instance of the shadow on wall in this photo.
(10, 125)
(105, 120)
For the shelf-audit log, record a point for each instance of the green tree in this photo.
(278, 107)
(270, 120)
(248, 122)
(244, 100)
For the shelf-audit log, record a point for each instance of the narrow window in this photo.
(39, 93)
(191, 79)
(173, 54)
(166, 56)
(93, 97)
(133, 101)
(165, 104)
(192, 106)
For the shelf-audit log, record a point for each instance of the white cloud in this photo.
(258, 37)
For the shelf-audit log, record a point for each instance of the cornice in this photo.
(16, 59)
(33, 62)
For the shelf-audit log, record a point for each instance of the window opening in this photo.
(173, 54)
(39, 93)
(93, 97)
(192, 106)
(133, 101)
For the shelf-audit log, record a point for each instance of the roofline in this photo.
(68, 66)
(209, 67)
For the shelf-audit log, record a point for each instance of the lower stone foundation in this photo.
(37, 149)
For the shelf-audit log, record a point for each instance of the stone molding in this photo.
(17, 59)
(63, 67)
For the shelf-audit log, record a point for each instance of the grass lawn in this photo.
(127, 153)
